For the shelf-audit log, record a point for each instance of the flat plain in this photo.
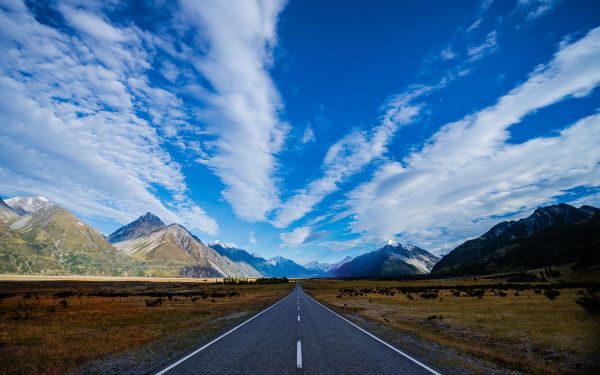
(107, 326)
(519, 326)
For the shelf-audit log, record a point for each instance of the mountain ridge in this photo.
(141, 226)
(392, 259)
(464, 258)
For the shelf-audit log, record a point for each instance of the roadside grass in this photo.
(54, 327)
(529, 327)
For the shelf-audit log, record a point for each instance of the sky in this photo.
(308, 129)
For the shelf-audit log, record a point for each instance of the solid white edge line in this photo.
(299, 354)
(377, 338)
(220, 337)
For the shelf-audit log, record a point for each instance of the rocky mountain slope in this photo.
(519, 245)
(6, 212)
(169, 251)
(50, 240)
(142, 226)
(393, 259)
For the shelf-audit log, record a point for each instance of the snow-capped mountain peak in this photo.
(316, 266)
(226, 245)
(27, 205)
(277, 260)
(391, 243)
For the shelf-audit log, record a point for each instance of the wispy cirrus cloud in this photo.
(242, 105)
(488, 46)
(355, 151)
(296, 237)
(468, 172)
(347, 157)
(534, 9)
(79, 119)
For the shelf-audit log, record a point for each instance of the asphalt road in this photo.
(297, 336)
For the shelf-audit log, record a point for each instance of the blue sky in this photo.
(308, 129)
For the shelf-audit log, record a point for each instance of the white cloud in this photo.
(92, 24)
(447, 54)
(345, 244)
(237, 38)
(489, 45)
(468, 171)
(70, 124)
(309, 135)
(535, 9)
(295, 237)
(251, 237)
(349, 156)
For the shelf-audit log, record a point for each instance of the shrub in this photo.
(590, 303)
(428, 295)
(475, 293)
(23, 311)
(153, 302)
(272, 280)
(64, 294)
(64, 303)
(501, 293)
(551, 294)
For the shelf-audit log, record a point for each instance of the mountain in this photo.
(27, 205)
(142, 226)
(488, 253)
(237, 255)
(50, 240)
(393, 259)
(326, 268)
(334, 266)
(279, 266)
(317, 267)
(273, 267)
(6, 212)
(170, 251)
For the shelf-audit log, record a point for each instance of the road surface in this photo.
(297, 335)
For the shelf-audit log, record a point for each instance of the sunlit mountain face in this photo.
(304, 133)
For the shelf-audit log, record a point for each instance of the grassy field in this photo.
(58, 326)
(529, 327)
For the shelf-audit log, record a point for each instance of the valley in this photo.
(492, 325)
(105, 326)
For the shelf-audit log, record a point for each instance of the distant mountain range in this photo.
(39, 237)
(551, 236)
(272, 267)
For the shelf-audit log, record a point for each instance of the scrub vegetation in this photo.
(535, 327)
(57, 327)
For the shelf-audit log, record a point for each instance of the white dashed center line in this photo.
(298, 317)
(299, 354)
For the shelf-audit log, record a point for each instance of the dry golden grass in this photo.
(38, 334)
(526, 332)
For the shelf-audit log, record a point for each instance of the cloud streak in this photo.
(349, 156)
(243, 105)
(75, 120)
(468, 172)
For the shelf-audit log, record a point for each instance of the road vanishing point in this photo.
(297, 335)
